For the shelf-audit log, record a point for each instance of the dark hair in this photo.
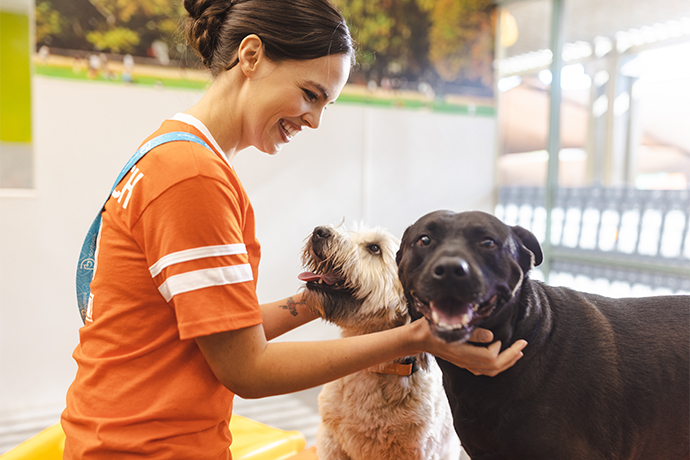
(288, 29)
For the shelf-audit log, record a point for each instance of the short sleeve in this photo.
(194, 237)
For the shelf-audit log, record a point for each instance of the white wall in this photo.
(384, 166)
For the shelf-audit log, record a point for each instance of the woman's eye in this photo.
(424, 241)
(311, 96)
(374, 249)
(488, 243)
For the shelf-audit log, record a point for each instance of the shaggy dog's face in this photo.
(353, 279)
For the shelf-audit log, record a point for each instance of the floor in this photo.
(297, 411)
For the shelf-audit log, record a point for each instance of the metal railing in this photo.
(620, 235)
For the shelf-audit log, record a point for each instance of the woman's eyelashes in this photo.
(310, 95)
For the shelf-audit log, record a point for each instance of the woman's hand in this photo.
(478, 360)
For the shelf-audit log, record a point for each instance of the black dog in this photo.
(600, 378)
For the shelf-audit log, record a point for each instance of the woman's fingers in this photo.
(493, 363)
(480, 335)
(477, 359)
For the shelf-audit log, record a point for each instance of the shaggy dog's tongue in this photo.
(328, 278)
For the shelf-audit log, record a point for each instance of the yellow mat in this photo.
(251, 441)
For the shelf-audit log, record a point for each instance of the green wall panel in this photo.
(15, 78)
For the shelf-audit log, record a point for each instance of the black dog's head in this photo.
(460, 269)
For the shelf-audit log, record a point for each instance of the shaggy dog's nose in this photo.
(321, 233)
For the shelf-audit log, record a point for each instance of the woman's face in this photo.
(290, 95)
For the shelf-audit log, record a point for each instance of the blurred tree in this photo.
(116, 26)
(392, 36)
(62, 23)
(125, 10)
(447, 43)
(117, 40)
(48, 21)
(461, 38)
(146, 20)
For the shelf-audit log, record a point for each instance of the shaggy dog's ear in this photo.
(403, 243)
(528, 241)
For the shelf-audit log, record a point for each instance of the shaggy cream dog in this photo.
(398, 410)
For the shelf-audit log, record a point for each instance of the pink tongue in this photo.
(328, 278)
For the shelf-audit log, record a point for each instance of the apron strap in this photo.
(87, 256)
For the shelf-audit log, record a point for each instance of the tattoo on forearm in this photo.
(291, 306)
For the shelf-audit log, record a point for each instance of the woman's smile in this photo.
(289, 95)
(288, 130)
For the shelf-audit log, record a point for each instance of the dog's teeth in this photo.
(435, 317)
(465, 319)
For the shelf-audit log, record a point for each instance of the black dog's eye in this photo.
(374, 249)
(424, 241)
(488, 243)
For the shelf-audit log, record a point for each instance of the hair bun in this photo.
(206, 17)
(309, 30)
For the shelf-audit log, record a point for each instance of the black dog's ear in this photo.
(529, 241)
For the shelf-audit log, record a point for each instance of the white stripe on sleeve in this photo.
(196, 253)
(199, 279)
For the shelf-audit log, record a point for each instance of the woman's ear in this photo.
(250, 54)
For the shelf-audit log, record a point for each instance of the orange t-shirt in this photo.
(177, 258)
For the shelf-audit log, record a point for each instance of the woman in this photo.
(174, 328)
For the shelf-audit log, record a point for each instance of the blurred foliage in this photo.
(125, 10)
(461, 38)
(391, 35)
(48, 21)
(446, 44)
(114, 26)
(117, 40)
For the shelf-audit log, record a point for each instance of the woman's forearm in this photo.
(285, 315)
(253, 368)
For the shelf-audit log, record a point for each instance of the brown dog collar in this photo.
(406, 368)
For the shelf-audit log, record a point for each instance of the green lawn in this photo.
(69, 72)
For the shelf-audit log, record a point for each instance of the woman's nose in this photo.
(313, 117)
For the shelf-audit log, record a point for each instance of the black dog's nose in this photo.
(321, 233)
(451, 269)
